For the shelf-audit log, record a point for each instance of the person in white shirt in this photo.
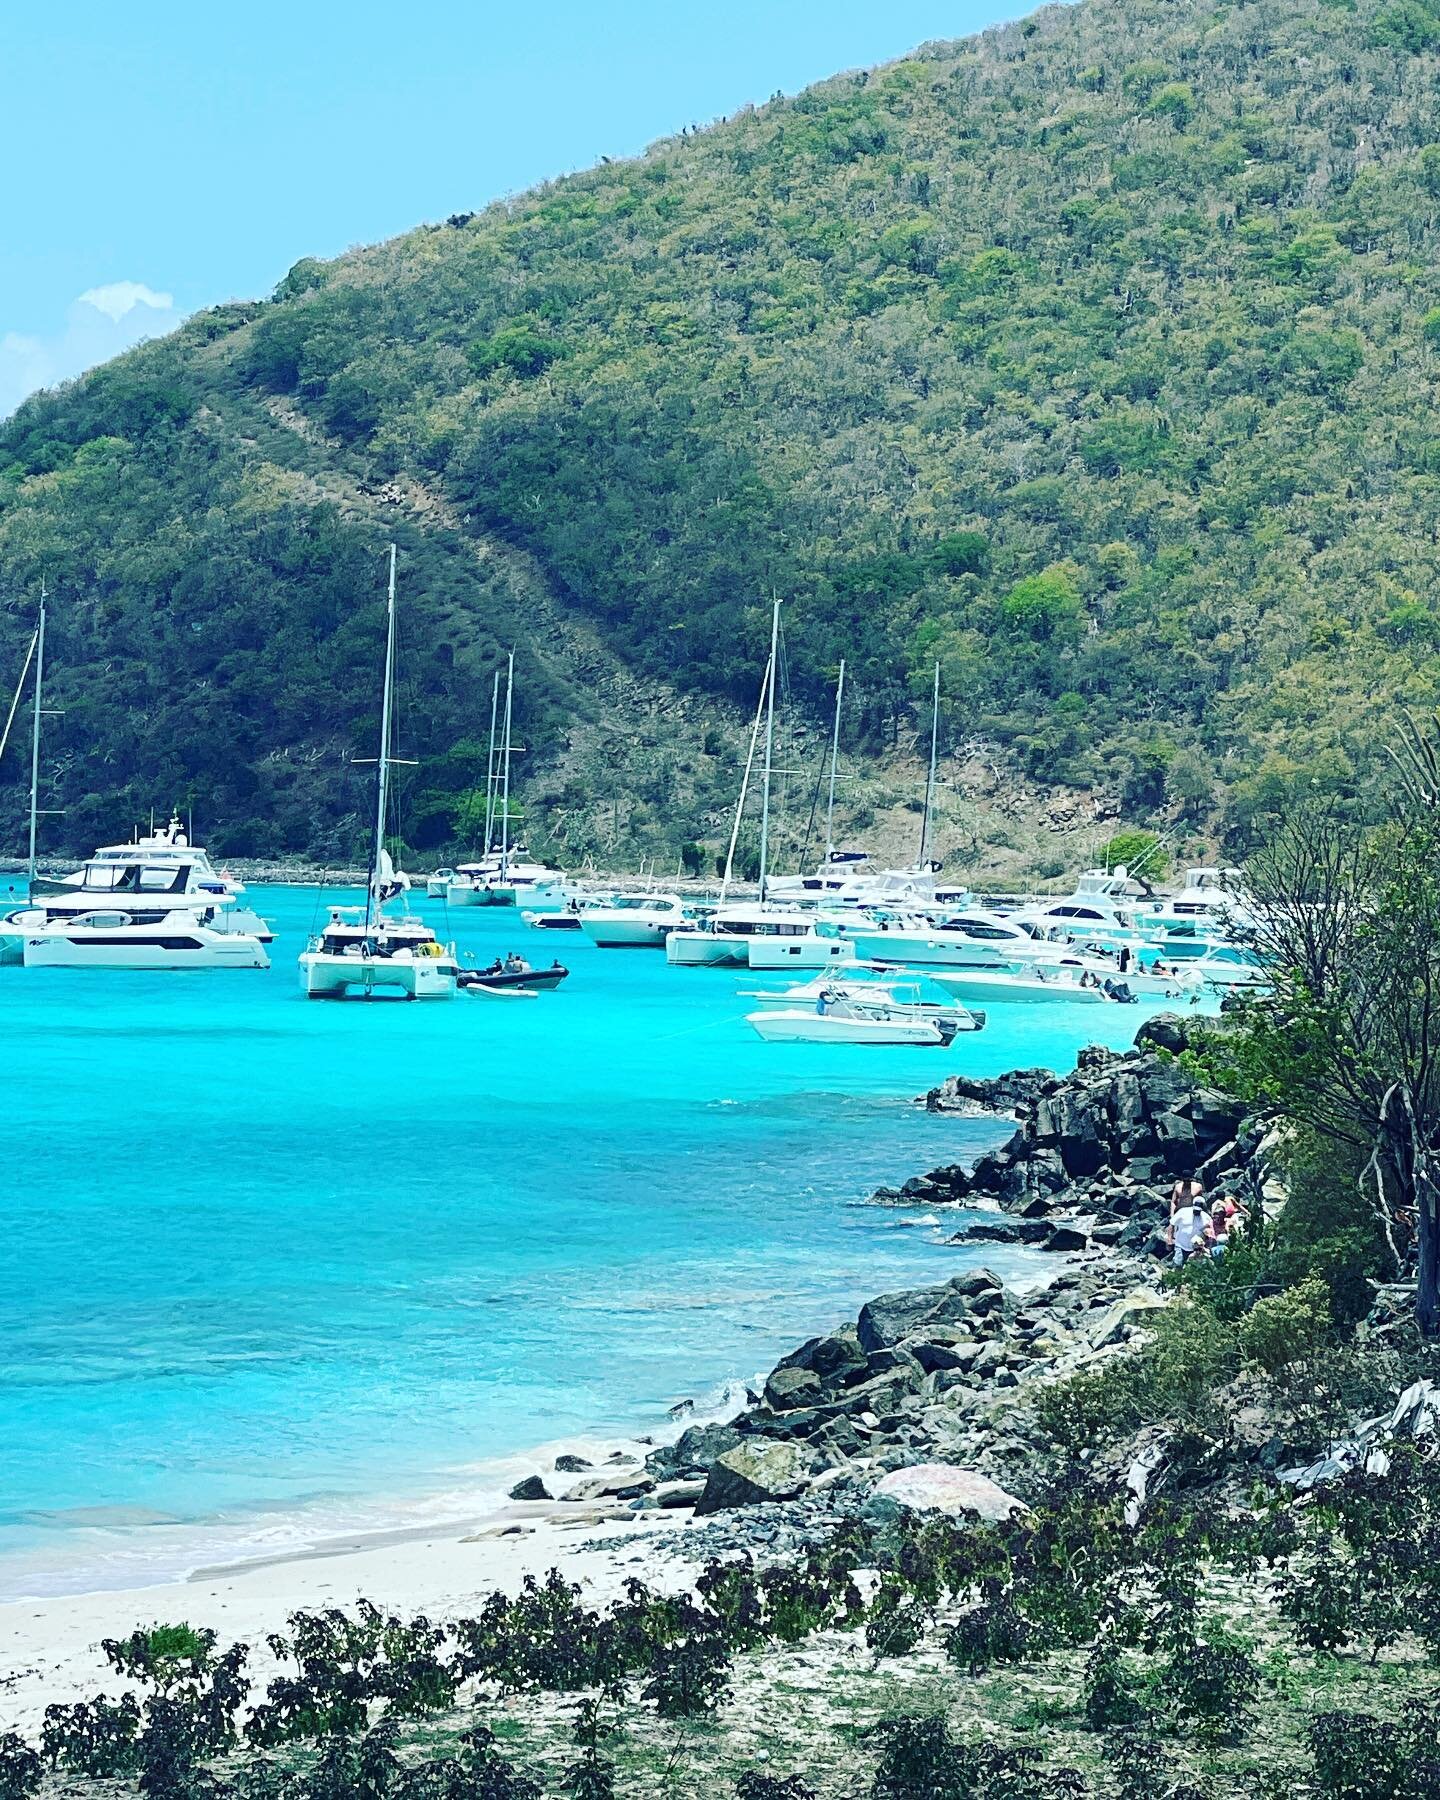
(1187, 1231)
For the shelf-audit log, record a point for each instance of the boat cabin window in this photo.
(974, 928)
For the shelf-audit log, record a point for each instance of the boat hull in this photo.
(975, 985)
(328, 977)
(55, 949)
(928, 950)
(613, 931)
(704, 950)
(811, 1027)
(799, 952)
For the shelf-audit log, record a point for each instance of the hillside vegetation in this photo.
(1096, 357)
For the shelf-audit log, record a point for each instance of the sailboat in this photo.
(364, 950)
(503, 877)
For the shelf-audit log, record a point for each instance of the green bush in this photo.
(1288, 1327)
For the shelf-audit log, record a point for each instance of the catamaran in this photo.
(363, 950)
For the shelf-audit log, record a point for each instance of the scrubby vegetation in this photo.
(1094, 357)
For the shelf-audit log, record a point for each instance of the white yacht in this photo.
(839, 1012)
(1101, 910)
(160, 870)
(635, 920)
(1209, 908)
(132, 939)
(362, 950)
(1048, 983)
(506, 880)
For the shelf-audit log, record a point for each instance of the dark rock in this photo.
(835, 1358)
(754, 1474)
(530, 1488)
(1013, 1092)
(890, 1318)
(620, 1484)
(694, 1451)
(1166, 1031)
(1108, 1233)
(1066, 1237)
(571, 1465)
(791, 1387)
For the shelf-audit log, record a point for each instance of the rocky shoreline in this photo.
(919, 1400)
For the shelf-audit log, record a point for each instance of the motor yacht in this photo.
(636, 920)
(1208, 910)
(109, 938)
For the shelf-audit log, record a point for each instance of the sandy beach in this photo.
(52, 1646)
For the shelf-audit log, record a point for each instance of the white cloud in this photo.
(120, 297)
(101, 323)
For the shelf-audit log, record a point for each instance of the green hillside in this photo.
(1096, 356)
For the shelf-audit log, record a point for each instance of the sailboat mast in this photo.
(930, 779)
(744, 787)
(490, 765)
(769, 749)
(834, 758)
(382, 778)
(505, 816)
(35, 728)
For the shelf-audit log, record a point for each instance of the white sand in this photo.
(50, 1649)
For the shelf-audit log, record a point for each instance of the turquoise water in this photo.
(273, 1269)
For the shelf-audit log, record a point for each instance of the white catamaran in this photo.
(362, 950)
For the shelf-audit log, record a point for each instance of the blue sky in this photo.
(166, 156)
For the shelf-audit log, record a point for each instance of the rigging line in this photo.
(814, 807)
(709, 1025)
(19, 689)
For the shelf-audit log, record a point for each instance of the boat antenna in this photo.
(769, 747)
(505, 816)
(744, 788)
(930, 780)
(834, 757)
(35, 727)
(382, 773)
(490, 764)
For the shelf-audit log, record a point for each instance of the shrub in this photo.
(20, 1767)
(1288, 1327)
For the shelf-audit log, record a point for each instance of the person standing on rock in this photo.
(1186, 1236)
(1189, 1190)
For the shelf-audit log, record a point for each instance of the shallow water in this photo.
(273, 1269)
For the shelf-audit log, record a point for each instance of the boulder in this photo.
(1066, 1237)
(754, 1474)
(622, 1484)
(835, 1359)
(943, 1488)
(1113, 1325)
(787, 1388)
(567, 1464)
(887, 1320)
(1166, 1031)
(531, 1488)
(694, 1450)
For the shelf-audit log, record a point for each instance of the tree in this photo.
(1346, 923)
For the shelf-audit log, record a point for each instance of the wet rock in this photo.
(530, 1488)
(1066, 1238)
(622, 1484)
(754, 1474)
(1013, 1092)
(693, 1451)
(571, 1465)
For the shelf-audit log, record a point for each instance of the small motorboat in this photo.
(513, 972)
(906, 997)
(566, 920)
(860, 1014)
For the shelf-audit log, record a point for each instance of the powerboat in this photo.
(726, 939)
(1049, 983)
(1100, 910)
(1207, 910)
(160, 870)
(567, 918)
(362, 949)
(856, 1013)
(504, 881)
(865, 990)
(108, 938)
(635, 920)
